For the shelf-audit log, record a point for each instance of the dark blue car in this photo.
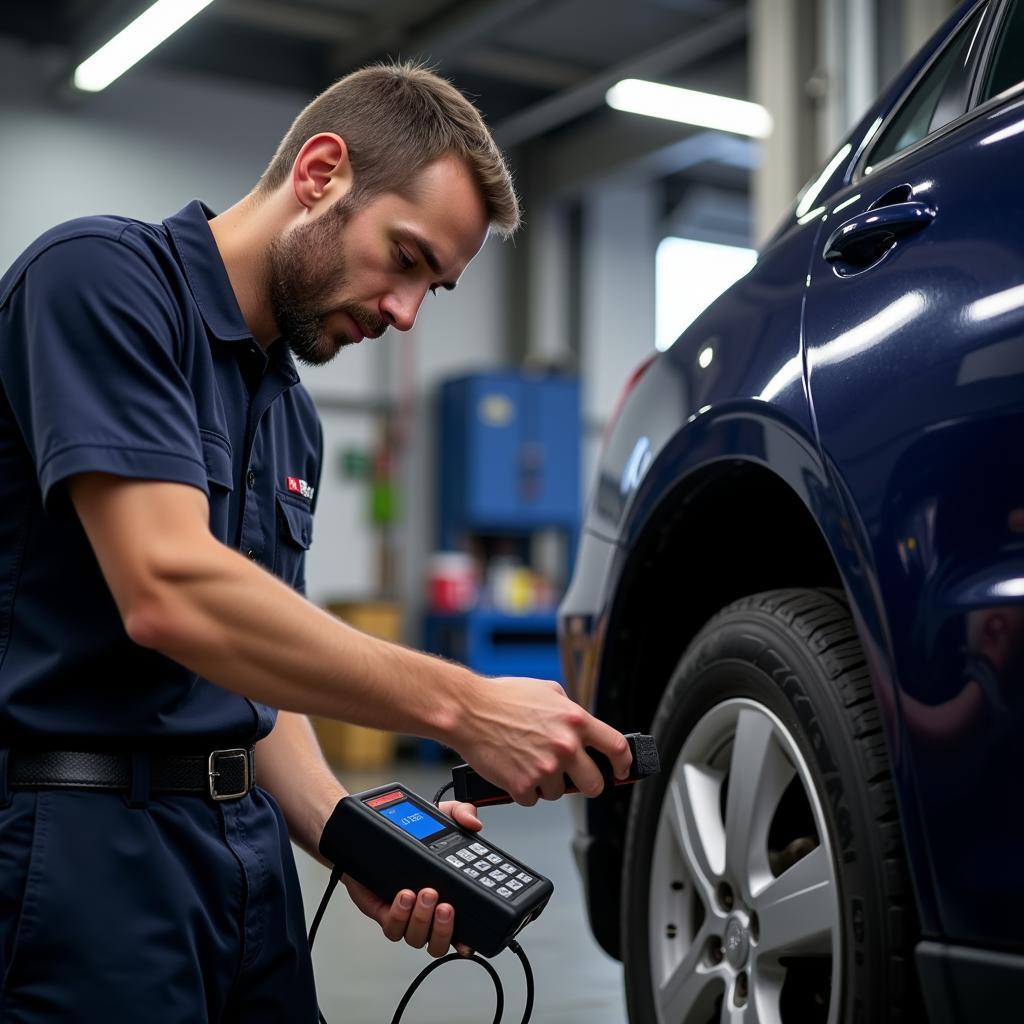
(803, 569)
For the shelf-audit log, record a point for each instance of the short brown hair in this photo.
(395, 119)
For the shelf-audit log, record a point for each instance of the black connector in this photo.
(474, 789)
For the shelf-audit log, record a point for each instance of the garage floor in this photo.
(361, 976)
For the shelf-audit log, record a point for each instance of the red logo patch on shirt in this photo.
(297, 486)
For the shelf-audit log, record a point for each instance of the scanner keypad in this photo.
(489, 870)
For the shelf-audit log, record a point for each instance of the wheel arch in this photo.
(735, 513)
(731, 529)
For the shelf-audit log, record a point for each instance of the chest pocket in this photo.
(217, 456)
(294, 535)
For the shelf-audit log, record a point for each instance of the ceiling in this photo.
(532, 66)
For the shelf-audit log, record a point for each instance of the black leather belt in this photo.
(220, 775)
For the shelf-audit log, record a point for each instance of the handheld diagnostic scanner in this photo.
(390, 839)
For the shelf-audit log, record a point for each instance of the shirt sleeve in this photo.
(91, 362)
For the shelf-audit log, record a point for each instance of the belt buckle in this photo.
(241, 752)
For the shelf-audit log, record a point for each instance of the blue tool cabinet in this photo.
(509, 453)
(509, 465)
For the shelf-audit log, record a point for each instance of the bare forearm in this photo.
(182, 593)
(290, 765)
(233, 623)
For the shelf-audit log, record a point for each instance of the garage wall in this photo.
(456, 333)
(620, 238)
(143, 148)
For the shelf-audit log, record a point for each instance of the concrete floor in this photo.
(361, 977)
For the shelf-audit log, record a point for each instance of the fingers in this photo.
(585, 731)
(418, 930)
(586, 776)
(463, 813)
(533, 733)
(551, 786)
(394, 920)
(420, 920)
(441, 933)
(581, 768)
(525, 797)
(611, 743)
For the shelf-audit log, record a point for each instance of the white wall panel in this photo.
(342, 563)
(459, 332)
(620, 229)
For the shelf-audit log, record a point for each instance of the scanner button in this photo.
(489, 882)
(478, 848)
(524, 878)
(513, 884)
(482, 865)
(465, 855)
(504, 892)
(508, 869)
(499, 876)
(454, 860)
(472, 873)
(494, 858)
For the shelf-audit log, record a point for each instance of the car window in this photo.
(1007, 68)
(940, 97)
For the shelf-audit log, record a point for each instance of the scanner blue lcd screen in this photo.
(412, 819)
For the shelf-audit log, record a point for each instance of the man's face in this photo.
(359, 268)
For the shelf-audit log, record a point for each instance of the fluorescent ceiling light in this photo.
(131, 44)
(690, 107)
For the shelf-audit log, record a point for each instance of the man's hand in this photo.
(418, 918)
(523, 734)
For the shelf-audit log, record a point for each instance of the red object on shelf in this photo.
(451, 582)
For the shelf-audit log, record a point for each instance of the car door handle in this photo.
(866, 238)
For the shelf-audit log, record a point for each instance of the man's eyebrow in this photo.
(430, 257)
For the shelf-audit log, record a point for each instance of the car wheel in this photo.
(764, 875)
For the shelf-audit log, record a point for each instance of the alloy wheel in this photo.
(744, 921)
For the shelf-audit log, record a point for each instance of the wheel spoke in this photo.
(749, 1012)
(731, 1013)
(759, 773)
(691, 985)
(692, 806)
(798, 910)
(762, 1005)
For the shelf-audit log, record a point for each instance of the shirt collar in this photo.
(209, 282)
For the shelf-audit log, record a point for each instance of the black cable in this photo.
(528, 971)
(318, 917)
(441, 792)
(422, 976)
(499, 991)
(328, 893)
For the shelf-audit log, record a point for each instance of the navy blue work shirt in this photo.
(123, 350)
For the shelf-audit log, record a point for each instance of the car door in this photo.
(914, 336)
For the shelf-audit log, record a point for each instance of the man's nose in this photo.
(401, 308)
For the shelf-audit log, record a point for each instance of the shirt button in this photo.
(251, 554)
(251, 478)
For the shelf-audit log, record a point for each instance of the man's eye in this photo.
(405, 261)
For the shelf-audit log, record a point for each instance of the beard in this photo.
(305, 268)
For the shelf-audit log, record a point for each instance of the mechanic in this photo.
(161, 464)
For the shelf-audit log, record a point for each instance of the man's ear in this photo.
(321, 173)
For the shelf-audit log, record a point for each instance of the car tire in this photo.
(764, 872)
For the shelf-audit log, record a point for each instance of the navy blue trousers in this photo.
(181, 910)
